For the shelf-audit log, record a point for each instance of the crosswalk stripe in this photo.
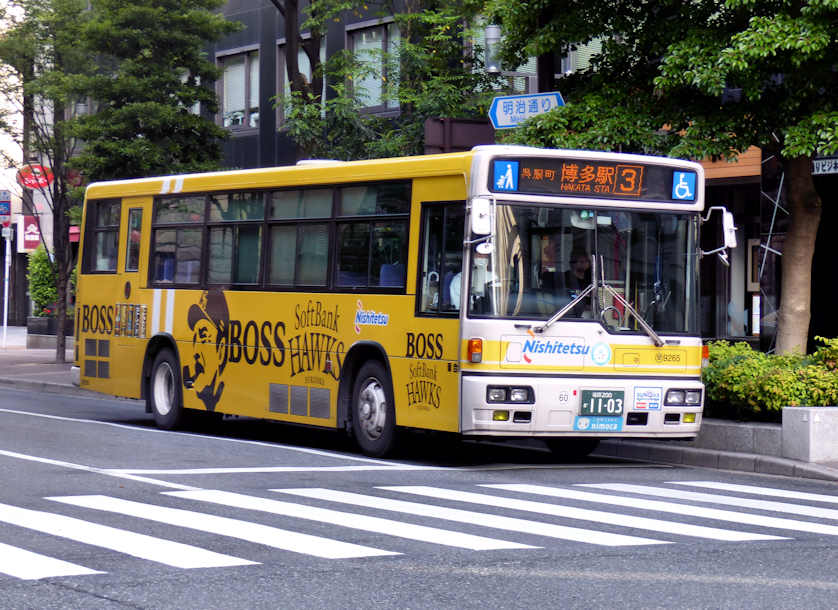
(225, 526)
(362, 522)
(678, 494)
(760, 491)
(27, 565)
(571, 512)
(472, 518)
(686, 510)
(137, 545)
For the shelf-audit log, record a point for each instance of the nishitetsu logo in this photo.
(369, 318)
(557, 347)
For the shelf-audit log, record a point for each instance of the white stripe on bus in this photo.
(164, 189)
(472, 518)
(277, 538)
(351, 520)
(686, 510)
(170, 310)
(155, 312)
(571, 512)
(27, 565)
(178, 185)
(130, 543)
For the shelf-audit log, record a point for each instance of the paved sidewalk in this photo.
(722, 445)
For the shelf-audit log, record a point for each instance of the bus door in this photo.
(430, 388)
(131, 312)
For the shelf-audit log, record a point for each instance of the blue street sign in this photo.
(511, 110)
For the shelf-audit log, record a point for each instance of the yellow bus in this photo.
(503, 292)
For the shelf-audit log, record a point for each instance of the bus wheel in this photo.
(373, 413)
(164, 391)
(571, 448)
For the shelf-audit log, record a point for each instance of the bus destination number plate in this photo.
(602, 402)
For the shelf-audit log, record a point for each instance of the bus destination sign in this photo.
(593, 178)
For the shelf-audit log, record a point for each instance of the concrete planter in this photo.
(40, 332)
(810, 434)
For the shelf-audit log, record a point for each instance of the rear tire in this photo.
(164, 391)
(373, 411)
(572, 448)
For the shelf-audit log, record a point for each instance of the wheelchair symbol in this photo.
(683, 185)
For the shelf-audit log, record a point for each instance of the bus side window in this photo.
(441, 255)
(101, 236)
(135, 227)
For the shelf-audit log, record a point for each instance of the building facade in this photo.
(739, 301)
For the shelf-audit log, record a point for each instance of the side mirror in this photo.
(481, 216)
(728, 229)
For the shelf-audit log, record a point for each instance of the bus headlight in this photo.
(688, 397)
(496, 395)
(507, 394)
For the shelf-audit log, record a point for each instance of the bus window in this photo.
(441, 256)
(102, 236)
(135, 227)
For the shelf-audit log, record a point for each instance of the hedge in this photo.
(746, 384)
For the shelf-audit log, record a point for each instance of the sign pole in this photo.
(5, 220)
(8, 237)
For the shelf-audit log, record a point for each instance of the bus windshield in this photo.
(543, 258)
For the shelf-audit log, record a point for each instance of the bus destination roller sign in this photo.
(593, 178)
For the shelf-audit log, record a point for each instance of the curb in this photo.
(48, 387)
(669, 453)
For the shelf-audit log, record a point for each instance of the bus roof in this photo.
(326, 171)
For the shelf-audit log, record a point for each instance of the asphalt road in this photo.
(99, 509)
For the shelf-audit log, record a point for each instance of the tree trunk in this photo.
(796, 288)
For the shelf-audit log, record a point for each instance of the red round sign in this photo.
(35, 176)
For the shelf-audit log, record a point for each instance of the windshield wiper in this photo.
(592, 287)
(556, 316)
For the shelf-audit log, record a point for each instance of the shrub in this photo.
(41, 276)
(746, 384)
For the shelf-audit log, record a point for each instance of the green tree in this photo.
(699, 79)
(152, 71)
(435, 70)
(40, 57)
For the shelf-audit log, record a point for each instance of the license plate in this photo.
(602, 402)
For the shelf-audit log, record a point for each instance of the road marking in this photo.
(258, 469)
(571, 512)
(42, 460)
(27, 565)
(285, 540)
(351, 520)
(469, 517)
(761, 491)
(686, 510)
(137, 545)
(678, 494)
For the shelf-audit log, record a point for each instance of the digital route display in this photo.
(593, 178)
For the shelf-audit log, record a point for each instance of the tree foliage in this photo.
(704, 79)
(435, 70)
(151, 71)
(40, 57)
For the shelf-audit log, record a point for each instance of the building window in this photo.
(304, 65)
(376, 49)
(240, 90)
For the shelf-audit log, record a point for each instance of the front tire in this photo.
(164, 393)
(373, 411)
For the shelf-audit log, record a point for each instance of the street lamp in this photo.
(492, 49)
